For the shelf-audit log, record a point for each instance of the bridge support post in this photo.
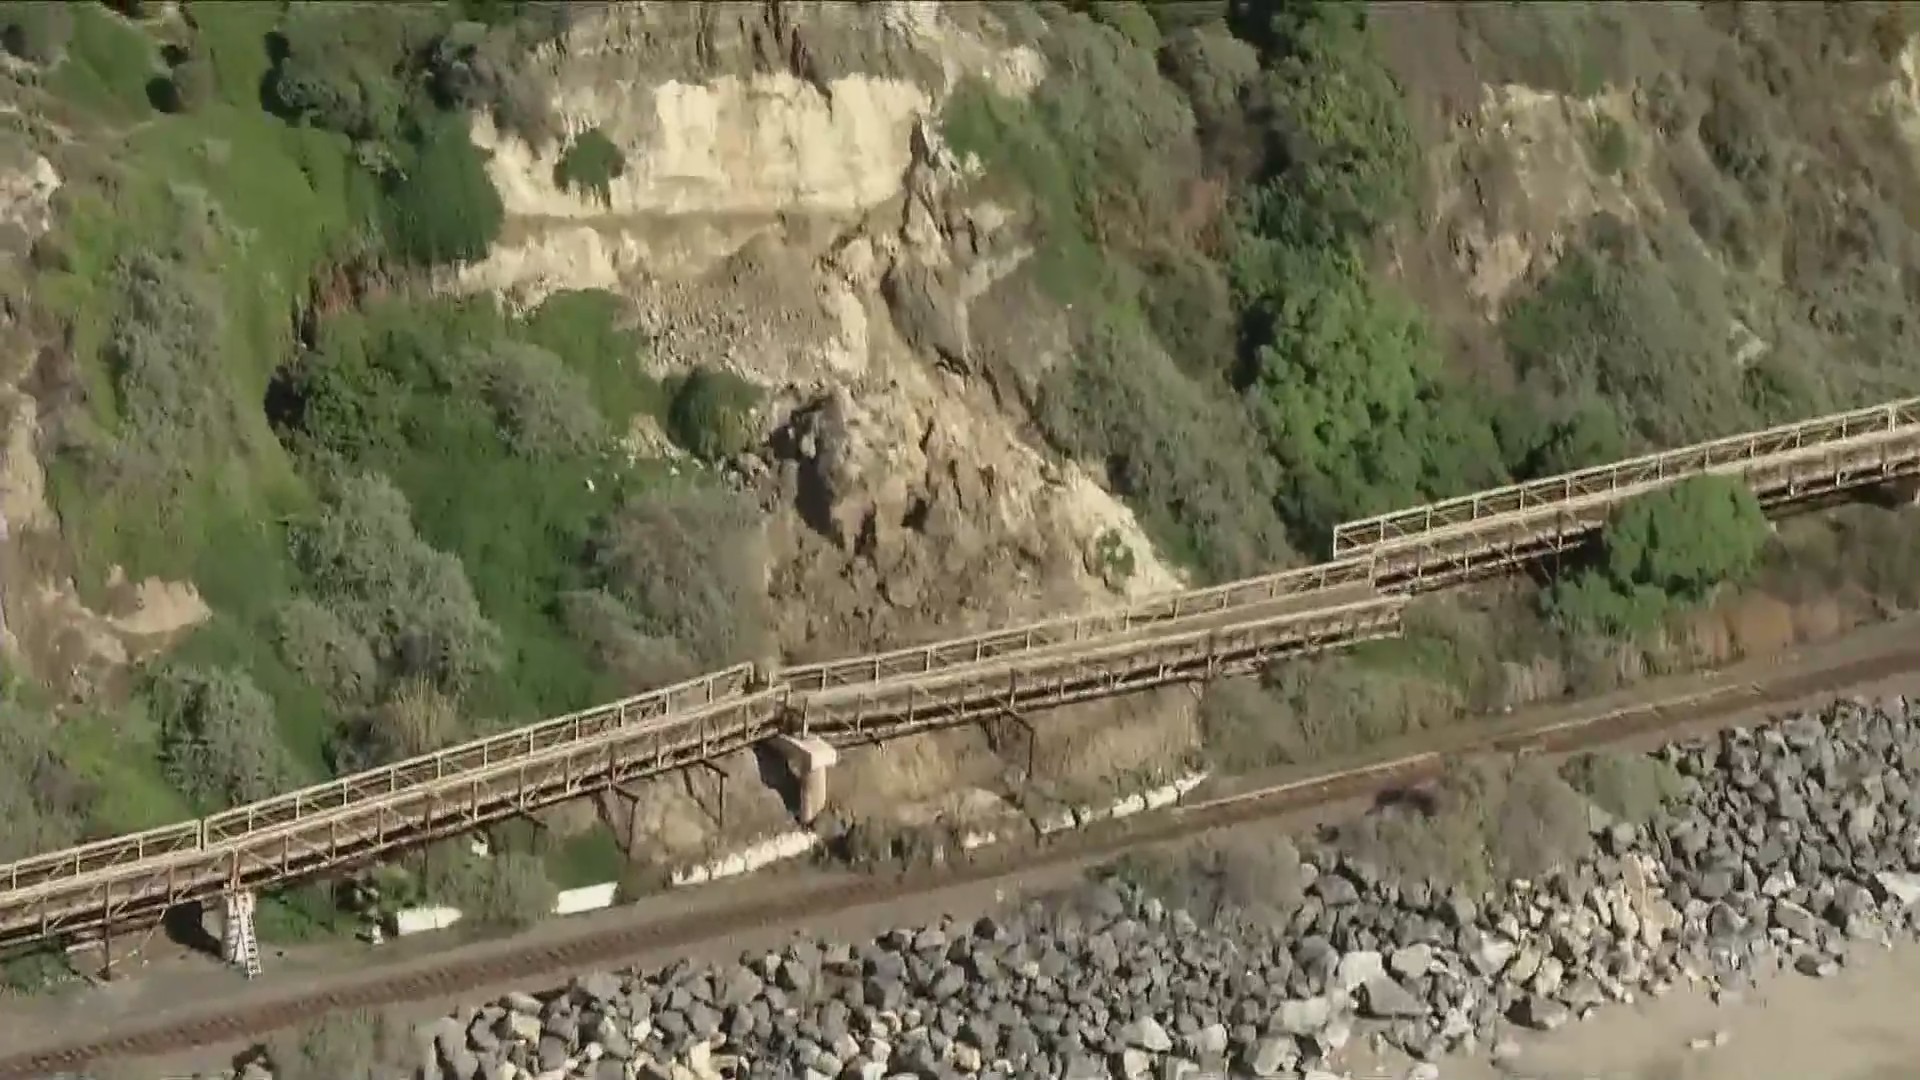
(718, 811)
(239, 942)
(997, 736)
(808, 758)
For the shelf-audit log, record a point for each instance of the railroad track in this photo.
(603, 947)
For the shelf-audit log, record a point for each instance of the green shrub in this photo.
(1643, 327)
(691, 564)
(41, 799)
(1352, 401)
(509, 889)
(219, 740)
(37, 31)
(1688, 538)
(1611, 146)
(621, 645)
(189, 87)
(414, 603)
(712, 414)
(1483, 822)
(1633, 787)
(334, 658)
(590, 163)
(543, 407)
(165, 386)
(1185, 458)
(445, 209)
(1666, 548)
(347, 69)
(415, 719)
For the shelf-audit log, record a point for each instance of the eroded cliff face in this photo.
(809, 231)
(789, 212)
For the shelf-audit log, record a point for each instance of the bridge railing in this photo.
(885, 710)
(378, 783)
(1074, 629)
(411, 815)
(1356, 538)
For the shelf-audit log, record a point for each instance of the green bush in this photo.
(469, 410)
(590, 163)
(334, 658)
(691, 565)
(543, 407)
(414, 603)
(1642, 327)
(346, 70)
(621, 645)
(1669, 547)
(171, 400)
(190, 86)
(509, 889)
(415, 719)
(37, 31)
(219, 741)
(1611, 146)
(41, 799)
(1632, 787)
(712, 414)
(445, 208)
(1184, 457)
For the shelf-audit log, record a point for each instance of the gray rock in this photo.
(1386, 999)
(1147, 1034)
(1307, 1016)
(1541, 1013)
(1273, 1056)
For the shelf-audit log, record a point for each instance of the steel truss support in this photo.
(718, 812)
(996, 728)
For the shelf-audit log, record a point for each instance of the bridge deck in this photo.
(1195, 634)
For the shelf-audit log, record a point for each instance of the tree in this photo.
(333, 657)
(1350, 396)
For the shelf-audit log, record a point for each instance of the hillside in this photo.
(381, 374)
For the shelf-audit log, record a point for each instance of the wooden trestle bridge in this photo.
(1379, 564)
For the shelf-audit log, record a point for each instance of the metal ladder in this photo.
(241, 942)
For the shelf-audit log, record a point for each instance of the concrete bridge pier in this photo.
(808, 758)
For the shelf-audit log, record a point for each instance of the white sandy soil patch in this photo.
(1861, 1024)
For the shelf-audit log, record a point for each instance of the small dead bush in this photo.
(359, 1045)
(1484, 822)
(1250, 873)
(1633, 787)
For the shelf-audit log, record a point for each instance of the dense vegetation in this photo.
(415, 518)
